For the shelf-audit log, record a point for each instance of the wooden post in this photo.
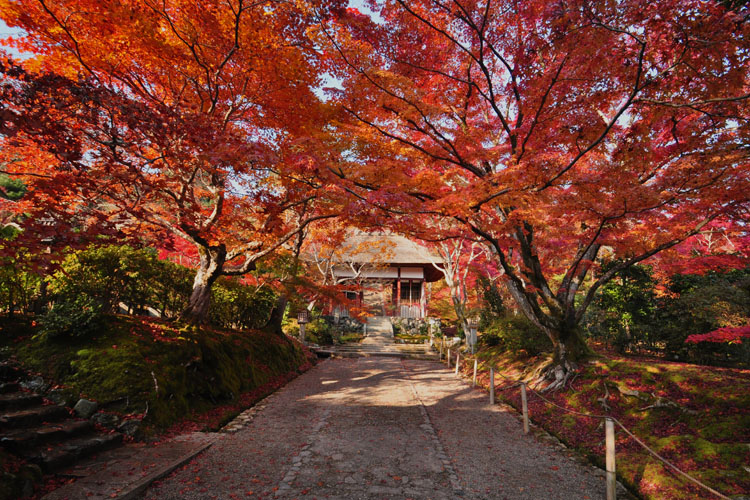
(449, 357)
(302, 332)
(474, 379)
(525, 408)
(458, 360)
(492, 386)
(398, 293)
(609, 430)
(441, 349)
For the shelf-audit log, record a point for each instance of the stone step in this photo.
(9, 373)
(20, 440)
(7, 387)
(54, 457)
(393, 354)
(32, 417)
(19, 401)
(381, 348)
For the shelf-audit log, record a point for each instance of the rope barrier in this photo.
(619, 424)
(589, 415)
(670, 464)
(637, 440)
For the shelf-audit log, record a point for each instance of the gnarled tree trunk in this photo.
(569, 347)
(209, 269)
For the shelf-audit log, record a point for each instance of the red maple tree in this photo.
(560, 133)
(198, 119)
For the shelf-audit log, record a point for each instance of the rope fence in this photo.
(609, 421)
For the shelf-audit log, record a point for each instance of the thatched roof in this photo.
(385, 248)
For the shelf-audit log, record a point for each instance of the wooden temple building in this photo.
(391, 274)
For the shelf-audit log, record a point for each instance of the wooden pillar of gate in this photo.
(398, 293)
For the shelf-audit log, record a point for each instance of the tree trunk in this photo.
(277, 315)
(458, 306)
(210, 267)
(569, 347)
(41, 300)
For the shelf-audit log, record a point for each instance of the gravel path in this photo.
(380, 428)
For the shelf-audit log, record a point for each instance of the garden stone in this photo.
(58, 396)
(129, 427)
(85, 408)
(35, 384)
(105, 419)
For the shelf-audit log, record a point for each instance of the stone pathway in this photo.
(379, 428)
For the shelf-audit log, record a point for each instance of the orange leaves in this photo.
(147, 118)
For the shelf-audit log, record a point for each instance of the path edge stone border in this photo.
(134, 489)
(429, 428)
(246, 416)
(143, 483)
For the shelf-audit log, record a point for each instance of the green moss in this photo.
(351, 337)
(675, 378)
(142, 366)
(726, 428)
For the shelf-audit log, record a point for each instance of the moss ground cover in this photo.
(189, 378)
(697, 417)
(412, 339)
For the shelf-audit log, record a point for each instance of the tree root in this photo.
(656, 402)
(559, 374)
(603, 400)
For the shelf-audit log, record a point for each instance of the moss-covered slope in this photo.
(697, 417)
(140, 366)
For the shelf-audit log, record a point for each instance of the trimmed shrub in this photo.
(79, 317)
(319, 332)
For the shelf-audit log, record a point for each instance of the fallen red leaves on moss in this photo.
(697, 417)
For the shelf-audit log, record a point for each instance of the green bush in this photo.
(492, 303)
(115, 275)
(319, 332)
(516, 333)
(629, 315)
(20, 284)
(79, 317)
(235, 305)
(700, 304)
(489, 339)
(112, 274)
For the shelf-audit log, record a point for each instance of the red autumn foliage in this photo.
(727, 334)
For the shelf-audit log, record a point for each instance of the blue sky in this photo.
(5, 32)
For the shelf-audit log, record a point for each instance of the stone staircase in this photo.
(379, 342)
(42, 433)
